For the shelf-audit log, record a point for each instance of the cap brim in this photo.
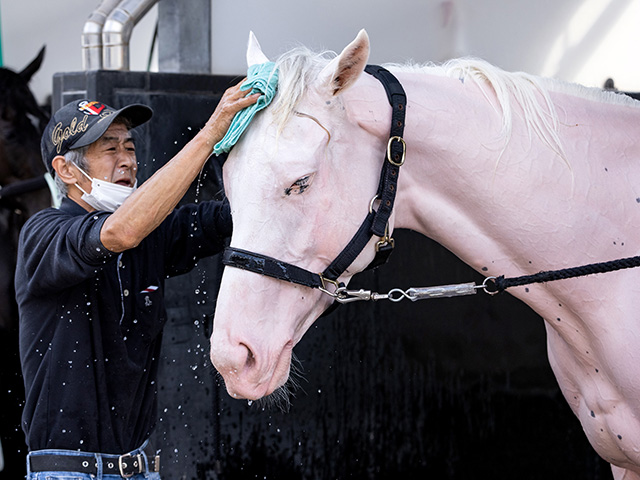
(136, 114)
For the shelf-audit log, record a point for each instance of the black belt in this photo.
(124, 465)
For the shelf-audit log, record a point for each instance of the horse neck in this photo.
(499, 206)
(445, 183)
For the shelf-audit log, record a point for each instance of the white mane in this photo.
(540, 117)
(299, 68)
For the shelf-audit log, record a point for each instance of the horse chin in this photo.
(280, 399)
(240, 391)
(256, 381)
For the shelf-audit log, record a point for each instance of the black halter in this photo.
(376, 222)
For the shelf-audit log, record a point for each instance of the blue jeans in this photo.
(100, 460)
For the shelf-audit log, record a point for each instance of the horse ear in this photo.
(344, 70)
(254, 52)
(33, 67)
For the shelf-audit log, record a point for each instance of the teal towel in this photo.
(262, 78)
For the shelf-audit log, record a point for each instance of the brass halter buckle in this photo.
(400, 162)
(385, 240)
(325, 284)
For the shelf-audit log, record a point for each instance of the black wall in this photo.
(439, 389)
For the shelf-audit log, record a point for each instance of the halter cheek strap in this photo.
(396, 148)
(376, 223)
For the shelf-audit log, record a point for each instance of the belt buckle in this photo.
(136, 463)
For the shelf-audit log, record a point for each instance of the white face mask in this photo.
(105, 195)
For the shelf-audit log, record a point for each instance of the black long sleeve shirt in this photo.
(91, 322)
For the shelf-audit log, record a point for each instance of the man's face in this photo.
(113, 157)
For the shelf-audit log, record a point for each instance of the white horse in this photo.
(514, 174)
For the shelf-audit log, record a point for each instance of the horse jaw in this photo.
(254, 51)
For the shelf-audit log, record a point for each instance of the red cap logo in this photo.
(91, 108)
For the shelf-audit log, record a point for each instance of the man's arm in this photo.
(150, 204)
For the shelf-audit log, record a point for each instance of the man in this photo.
(89, 285)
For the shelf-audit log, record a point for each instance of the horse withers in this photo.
(513, 173)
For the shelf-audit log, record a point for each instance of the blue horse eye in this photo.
(299, 186)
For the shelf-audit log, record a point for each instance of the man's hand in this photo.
(156, 198)
(231, 103)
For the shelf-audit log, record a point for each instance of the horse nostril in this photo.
(251, 359)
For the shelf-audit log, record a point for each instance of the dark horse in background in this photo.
(23, 191)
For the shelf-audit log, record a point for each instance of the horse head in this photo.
(299, 183)
(21, 124)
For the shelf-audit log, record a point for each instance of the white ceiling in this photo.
(578, 40)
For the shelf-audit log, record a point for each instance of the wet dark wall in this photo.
(11, 402)
(440, 389)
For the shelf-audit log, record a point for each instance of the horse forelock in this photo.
(297, 70)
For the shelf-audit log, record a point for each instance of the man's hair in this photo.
(76, 156)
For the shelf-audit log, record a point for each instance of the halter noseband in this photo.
(375, 223)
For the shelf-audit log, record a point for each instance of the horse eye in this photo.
(299, 186)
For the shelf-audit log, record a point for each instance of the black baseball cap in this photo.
(82, 122)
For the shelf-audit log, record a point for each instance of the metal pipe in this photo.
(92, 35)
(117, 29)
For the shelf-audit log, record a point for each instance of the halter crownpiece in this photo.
(376, 223)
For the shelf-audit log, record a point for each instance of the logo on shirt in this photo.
(149, 289)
